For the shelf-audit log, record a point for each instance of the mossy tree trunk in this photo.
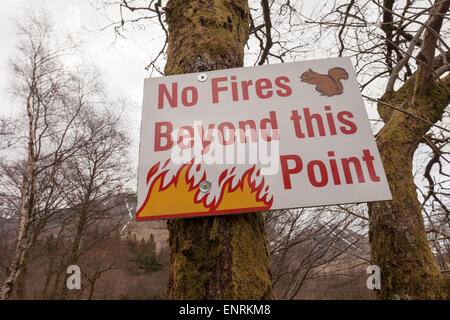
(219, 257)
(398, 241)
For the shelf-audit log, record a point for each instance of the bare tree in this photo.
(39, 82)
(305, 242)
(56, 100)
(434, 202)
(97, 183)
(409, 59)
(6, 132)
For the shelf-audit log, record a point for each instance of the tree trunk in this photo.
(398, 241)
(24, 236)
(17, 264)
(220, 257)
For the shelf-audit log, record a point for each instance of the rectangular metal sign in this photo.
(258, 138)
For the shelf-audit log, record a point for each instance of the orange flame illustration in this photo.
(181, 195)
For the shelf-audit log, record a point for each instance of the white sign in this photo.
(248, 139)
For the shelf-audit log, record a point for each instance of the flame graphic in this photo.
(179, 195)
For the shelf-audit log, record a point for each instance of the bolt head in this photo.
(205, 186)
(202, 77)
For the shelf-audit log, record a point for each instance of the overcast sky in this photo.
(122, 61)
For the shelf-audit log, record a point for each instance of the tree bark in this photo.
(398, 241)
(219, 257)
(26, 211)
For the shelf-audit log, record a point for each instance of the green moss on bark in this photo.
(206, 35)
(221, 257)
(397, 235)
(248, 259)
(194, 255)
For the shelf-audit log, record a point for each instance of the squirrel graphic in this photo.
(327, 84)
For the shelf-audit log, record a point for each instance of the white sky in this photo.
(122, 61)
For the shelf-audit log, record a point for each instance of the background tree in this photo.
(74, 155)
(41, 84)
(309, 244)
(97, 178)
(6, 132)
(414, 100)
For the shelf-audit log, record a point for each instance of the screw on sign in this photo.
(202, 77)
(205, 186)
